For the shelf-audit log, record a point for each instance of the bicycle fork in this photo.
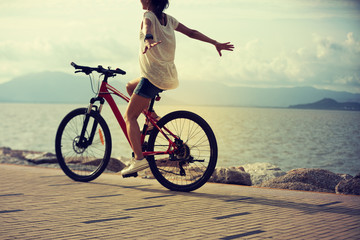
(83, 143)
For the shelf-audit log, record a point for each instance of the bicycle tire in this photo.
(199, 143)
(82, 163)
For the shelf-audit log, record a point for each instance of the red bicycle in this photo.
(181, 148)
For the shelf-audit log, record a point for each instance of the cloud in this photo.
(269, 9)
(348, 50)
(269, 52)
(338, 63)
(327, 63)
(19, 57)
(324, 63)
(49, 35)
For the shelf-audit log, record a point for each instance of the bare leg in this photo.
(136, 105)
(130, 87)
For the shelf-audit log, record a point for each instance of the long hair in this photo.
(159, 7)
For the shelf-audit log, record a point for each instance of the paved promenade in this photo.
(41, 203)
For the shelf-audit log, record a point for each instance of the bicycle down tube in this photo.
(104, 93)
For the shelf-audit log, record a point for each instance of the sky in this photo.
(278, 43)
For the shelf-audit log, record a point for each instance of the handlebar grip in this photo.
(118, 70)
(74, 65)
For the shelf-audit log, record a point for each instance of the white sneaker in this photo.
(135, 166)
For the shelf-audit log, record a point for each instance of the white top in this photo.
(157, 64)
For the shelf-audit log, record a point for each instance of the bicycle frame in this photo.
(83, 140)
(105, 92)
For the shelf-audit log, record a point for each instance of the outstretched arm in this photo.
(149, 43)
(199, 36)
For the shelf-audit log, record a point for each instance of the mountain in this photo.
(58, 87)
(329, 104)
(50, 87)
(211, 93)
(46, 87)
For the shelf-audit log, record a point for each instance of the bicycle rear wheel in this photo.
(194, 162)
(83, 160)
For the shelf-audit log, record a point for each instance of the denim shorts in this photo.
(146, 89)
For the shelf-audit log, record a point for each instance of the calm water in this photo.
(285, 137)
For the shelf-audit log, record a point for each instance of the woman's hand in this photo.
(224, 46)
(149, 43)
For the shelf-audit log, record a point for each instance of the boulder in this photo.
(306, 179)
(115, 165)
(5, 150)
(231, 175)
(7, 155)
(345, 176)
(25, 157)
(40, 157)
(19, 154)
(261, 172)
(349, 186)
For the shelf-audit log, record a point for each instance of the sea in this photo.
(288, 138)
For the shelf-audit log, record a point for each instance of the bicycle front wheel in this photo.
(83, 160)
(195, 159)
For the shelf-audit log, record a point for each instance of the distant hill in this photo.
(329, 104)
(58, 87)
(46, 87)
(50, 87)
(214, 93)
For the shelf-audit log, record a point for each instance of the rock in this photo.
(24, 157)
(261, 172)
(19, 154)
(231, 175)
(40, 157)
(349, 186)
(5, 150)
(115, 165)
(7, 155)
(345, 176)
(310, 179)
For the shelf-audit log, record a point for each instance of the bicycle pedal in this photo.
(130, 175)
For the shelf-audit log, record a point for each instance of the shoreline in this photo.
(256, 174)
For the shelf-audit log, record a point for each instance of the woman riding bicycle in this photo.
(158, 71)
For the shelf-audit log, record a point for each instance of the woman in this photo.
(158, 71)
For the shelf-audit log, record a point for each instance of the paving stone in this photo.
(42, 203)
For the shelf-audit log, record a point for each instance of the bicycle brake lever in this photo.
(78, 71)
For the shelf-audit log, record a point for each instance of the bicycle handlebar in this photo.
(87, 70)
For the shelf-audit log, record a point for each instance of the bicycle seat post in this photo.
(151, 105)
